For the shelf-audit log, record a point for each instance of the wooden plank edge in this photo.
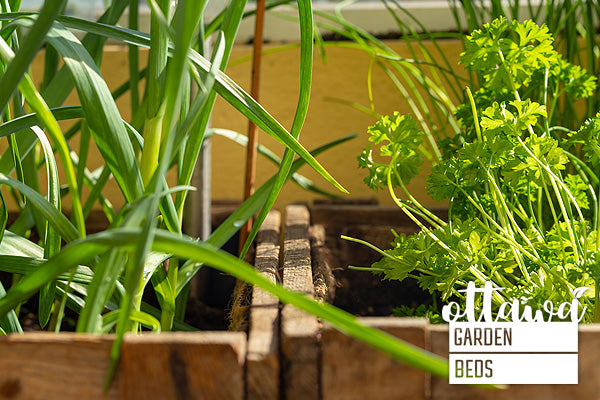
(299, 331)
(352, 369)
(182, 365)
(262, 360)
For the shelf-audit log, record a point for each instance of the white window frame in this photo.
(370, 15)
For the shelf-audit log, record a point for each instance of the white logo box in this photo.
(513, 337)
(514, 369)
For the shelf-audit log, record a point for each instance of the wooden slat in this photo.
(351, 369)
(337, 216)
(589, 366)
(55, 366)
(262, 360)
(323, 279)
(202, 365)
(299, 347)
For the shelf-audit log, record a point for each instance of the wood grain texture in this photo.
(262, 360)
(338, 216)
(323, 279)
(202, 365)
(299, 330)
(351, 369)
(55, 366)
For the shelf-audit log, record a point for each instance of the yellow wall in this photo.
(343, 76)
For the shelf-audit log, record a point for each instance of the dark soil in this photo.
(364, 293)
(361, 292)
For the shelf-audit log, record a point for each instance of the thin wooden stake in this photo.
(254, 92)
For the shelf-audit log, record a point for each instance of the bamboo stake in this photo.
(254, 92)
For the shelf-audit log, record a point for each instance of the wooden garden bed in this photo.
(198, 365)
(286, 353)
(166, 366)
(348, 369)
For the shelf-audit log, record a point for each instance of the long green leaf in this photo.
(29, 120)
(26, 265)
(99, 108)
(155, 89)
(38, 104)
(106, 273)
(52, 239)
(224, 86)
(231, 92)
(16, 245)
(165, 295)
(298, 179)
(194, 126)
(205, 100)
(52, 215)
(28, 49)
(62, 83)
(198, 251)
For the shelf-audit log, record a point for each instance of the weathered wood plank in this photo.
(351, 369)
(299, 347)
(337, 216)
(323, 279)
(205, 365)
(55, 366)
(202, 365)
(262, 360)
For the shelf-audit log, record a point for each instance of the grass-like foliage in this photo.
(523, 192)
(102, 276)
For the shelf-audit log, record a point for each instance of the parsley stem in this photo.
(559, 181)
(506, 213)
(555, 218)
(474, 110)
(431, 218)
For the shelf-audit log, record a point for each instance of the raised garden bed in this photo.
(179, 365)
(169, 366)
(372, 223)
(285, 352)
(349, 369)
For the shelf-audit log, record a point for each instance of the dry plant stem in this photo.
(251, 149)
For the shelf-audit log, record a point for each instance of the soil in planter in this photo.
(28, 313)
(366, 294)
(218, 301)
(211, 295)
(361, 292)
